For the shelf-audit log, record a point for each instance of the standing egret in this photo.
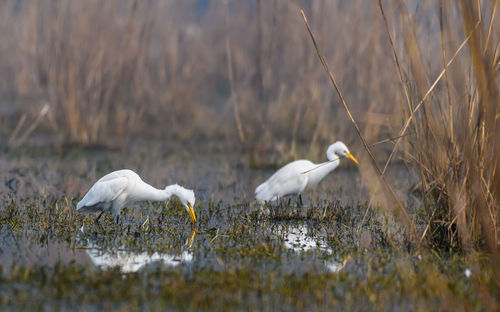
(300, 175)
(123, 187)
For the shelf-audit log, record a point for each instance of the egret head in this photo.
(185, 196)
(338, 149)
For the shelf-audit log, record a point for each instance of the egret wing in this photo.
(286, 181)
(103, 191)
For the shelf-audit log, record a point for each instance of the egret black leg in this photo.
(288, 204)
(300, 199)
(118, 219)
(99, 216)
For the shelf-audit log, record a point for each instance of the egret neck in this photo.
(145, 192)
(321, 171)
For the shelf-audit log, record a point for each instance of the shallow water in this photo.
(295, 237)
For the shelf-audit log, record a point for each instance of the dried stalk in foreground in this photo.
(405, 217)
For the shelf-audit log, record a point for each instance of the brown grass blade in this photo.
(429, 91)
(406, 218)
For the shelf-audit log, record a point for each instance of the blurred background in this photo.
(241, 73)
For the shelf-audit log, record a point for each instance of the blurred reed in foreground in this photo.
(454, 113)
(455, 118)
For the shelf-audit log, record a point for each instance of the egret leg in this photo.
(99, 216)
(300, 200)
(118, 219)
(97, 219)
(289, 199)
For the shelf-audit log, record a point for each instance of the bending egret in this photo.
(300, 175)
(123, 187)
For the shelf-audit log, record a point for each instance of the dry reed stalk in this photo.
(18, 127)
(15, 142)
(234, 96)
(395, 57)
(484, 147)
(442, 13)
(456, 147)
(424, 98)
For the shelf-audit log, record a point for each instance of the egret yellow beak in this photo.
(349, 155)
(191, 213)
(190, 241)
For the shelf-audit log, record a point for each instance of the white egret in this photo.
(124, 187)
(300, 175)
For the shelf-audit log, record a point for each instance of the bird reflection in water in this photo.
(129, 261)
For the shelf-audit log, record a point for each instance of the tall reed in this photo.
(455, 118)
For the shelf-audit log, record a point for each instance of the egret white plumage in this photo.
(120, 188)
(300, 175)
